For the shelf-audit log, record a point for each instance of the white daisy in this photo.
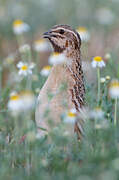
(84, 34)
(102, 80)
(98, 62)
(41, 46)
(24, 68)
(114, 89)
(28, 99)
(45, 71)
(105, 16)
(107, 56)
(20, 27)
(56, 58)
(97, 113)
(24, 48)
(70, 116)
(107, 78)
(9, 60)
(20, 102)
(14, 103)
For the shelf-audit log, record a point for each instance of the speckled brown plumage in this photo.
(64, 40)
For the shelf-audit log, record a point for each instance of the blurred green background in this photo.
(99, 16)
(97, 156)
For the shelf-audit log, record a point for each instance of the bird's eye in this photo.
(61, 31)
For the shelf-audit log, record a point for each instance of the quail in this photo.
(64, 40)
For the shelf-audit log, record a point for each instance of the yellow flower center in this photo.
(114, 84)
(55, 54)
(47, 68)
(39, 41)
(97, 58)
(70, 114)
(17, 23)
(81, 29)
(98, 109)
(24, 67)
(14, 97)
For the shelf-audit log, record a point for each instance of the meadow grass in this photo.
(23, 154)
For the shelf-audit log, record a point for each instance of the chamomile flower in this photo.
(20, 102)
(24, 48)
(41, 45)
(24, 68)
(102, 80)
(14, 103)
(105, 16)
(107, 78)
(84, 34)
(97, 113)
(20, 27)
(114, 89)
(45, 71)
(9, 60)
(70, 116)
(107, 56)
(98, 62)
(56, 58)
(28, 99)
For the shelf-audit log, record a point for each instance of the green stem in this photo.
(20, 40)
(115, 112)
(0, 81)
(98, 76)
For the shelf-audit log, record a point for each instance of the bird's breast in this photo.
(55, 98)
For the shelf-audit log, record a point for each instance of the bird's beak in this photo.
(47, 34)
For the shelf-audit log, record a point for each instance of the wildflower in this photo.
(41, 45)
(97, 113)
(19, 102)
(45, 71)
(9, 60)
(114, 89)
(56, 58)
(84, 34)
(20, 27)
(107, 78)
(86, 113)
(24, 48)
(70, 116)
(102, 80)
(24, 68)
(105, 16)
(114, 94)
(28, 99)
(107, 56)
(14, 103)
(98, 62)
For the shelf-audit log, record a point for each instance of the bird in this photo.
(64, 39)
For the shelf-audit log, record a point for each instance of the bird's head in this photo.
(63, 38)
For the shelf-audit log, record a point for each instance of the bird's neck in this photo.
(75, 68)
